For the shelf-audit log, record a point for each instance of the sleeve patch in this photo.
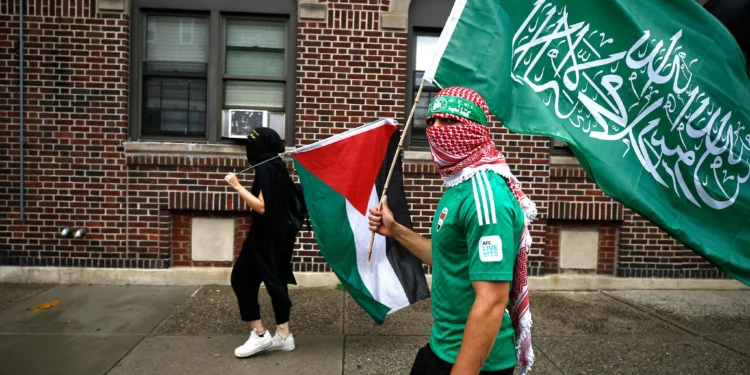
(490, 249)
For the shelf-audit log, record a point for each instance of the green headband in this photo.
(458, 106)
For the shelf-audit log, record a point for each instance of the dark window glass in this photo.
(174, 76)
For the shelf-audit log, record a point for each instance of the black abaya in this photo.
(267, 251)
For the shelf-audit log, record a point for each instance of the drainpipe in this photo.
(20, 78)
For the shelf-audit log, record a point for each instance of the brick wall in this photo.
(349, 72)
(647, 251)
(136, 205)
(528, 158)
(643, 250)
(76, 92)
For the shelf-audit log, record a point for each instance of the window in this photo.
(426, 18)
(151, 31)
(186, 30)
(426, 44)
(212, 69)
(254, 75)
(174, 76)
(559, 148)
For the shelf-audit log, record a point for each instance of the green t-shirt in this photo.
(475, 236)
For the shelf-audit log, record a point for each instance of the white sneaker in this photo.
(284, 345)
(254, 344)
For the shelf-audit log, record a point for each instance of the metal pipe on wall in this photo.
(20, 78)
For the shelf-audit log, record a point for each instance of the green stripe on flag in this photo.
(327, 210)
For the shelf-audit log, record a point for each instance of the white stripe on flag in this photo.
(476, 201)
(377, 273)
(492, 197)
(347, 134)
(445, 37)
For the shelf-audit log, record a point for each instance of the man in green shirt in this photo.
(478, 247)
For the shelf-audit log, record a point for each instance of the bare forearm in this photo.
(251, 200)
(415, 243)
(480, 334)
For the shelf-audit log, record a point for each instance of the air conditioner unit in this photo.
(238, 123)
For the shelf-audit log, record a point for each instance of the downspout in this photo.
(20, 77)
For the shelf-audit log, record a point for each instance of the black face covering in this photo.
(263, 144)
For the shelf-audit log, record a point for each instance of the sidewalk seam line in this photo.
(125, 355)
(650, 313)
(680, 326)
(153, 330)
(550, 360)
(724, 346)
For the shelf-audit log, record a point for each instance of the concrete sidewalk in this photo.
(194, 330)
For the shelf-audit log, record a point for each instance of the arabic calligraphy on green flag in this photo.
(652, 97)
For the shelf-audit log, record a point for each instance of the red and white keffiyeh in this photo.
(460, 151)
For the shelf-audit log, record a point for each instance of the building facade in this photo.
(130, 108)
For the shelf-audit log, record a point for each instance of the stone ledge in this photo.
(563, 161)
(219, 150)
(221, 276)
(182, 149)
(113, 6)
(394, 21)
(313, 12)
(185, 149)
(417, 157)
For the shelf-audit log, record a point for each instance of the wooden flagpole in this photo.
(395, 159)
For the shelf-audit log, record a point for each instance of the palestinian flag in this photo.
(342, 177)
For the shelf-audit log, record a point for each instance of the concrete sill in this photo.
(417, 157)
(563, 161)
(186, 149)
(218, 150)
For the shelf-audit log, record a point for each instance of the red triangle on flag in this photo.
(350, 166)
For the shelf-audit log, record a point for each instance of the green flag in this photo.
(651, 95)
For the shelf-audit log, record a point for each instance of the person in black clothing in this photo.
(267, 252)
